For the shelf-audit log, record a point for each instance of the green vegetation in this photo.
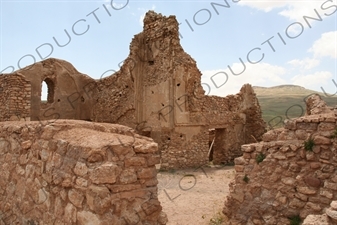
(172, 171)
(285, 102)
(260, 157)
(309, 144)
(246, 178)
(216, 220)
(295, 220)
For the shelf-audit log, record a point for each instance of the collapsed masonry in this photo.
(292, 172)
(77, 172)
(328, 218)
(157, 92)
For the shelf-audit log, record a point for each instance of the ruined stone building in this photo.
(157, 92)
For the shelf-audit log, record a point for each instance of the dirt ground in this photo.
(194, 196)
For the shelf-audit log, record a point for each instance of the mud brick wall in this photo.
(280, 178)
(76, 172)
(15, 96)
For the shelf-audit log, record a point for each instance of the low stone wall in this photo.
(292, 173)
(76, 172)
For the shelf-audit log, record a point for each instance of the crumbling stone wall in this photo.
(15, 96)
(239, 123)
(280, 178)
(76, 172)
(158, 92)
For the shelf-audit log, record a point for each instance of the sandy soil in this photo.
(194, 196)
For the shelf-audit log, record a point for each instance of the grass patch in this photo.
(295, 220)
(245, 178)
(309, 145)
(172, 171)
(217, 219)
(260, 157)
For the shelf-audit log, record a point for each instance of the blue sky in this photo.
(295, 50)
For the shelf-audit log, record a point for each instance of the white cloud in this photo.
(297, 9)
(262, 74)
(263, 5)
(293, 10)
(326, 45)
(311, 80)
(141, 18)
(306, 63)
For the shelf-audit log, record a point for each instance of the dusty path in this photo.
(194, 196)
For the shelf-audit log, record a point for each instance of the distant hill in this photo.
(284, 90)
(285, 101)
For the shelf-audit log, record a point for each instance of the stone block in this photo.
(333, 205)
(320, 140)
(135, 161)
(331, 213)
(128, 176)
(24, 145)
(316, 220)
(326, 194)
(239, 161)
(81, 169)
(147, 173)
(239, 168)
(330, 185)
(306, 190)
(312, 181)
(296, 203)
(325, 126)
(87, 217)
(306, 126)
(151, 206)
(247, 148)
(153, 160)
(70, 214)
(120, 188)
(104, 174)
(290, 124)
(98, 199)
(146, 148)
(76, 197)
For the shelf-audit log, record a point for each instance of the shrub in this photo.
(245, 178)
(309, 144)
(260, 157)
(295, 220)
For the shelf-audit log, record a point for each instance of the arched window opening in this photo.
(47, 92)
